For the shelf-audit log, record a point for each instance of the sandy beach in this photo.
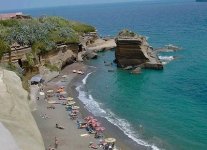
(70, 137)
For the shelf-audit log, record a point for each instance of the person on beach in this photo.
(56, 142)
(50, 148)
(58, 126)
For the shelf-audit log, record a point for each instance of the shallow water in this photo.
(164, 108)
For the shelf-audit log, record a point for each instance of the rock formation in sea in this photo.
(134, 50)
(16, 121)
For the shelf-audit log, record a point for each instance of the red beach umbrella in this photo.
(98, 124)
(95, 120)
(100, 129)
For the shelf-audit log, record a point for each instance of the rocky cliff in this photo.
(15, 115)
(134, 50)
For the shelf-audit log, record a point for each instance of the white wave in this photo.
(166, 58)
(86, 77)
(92, 66)
(94, 107)
(164, 62)
(169, 51)
(125, 126)
(90, 104)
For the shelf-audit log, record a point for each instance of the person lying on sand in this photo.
(93, 146)
(58, 126)
(51, 107)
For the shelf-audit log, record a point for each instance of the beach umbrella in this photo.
(71, 103)
(89, 121)
(100, 129)
(110, 140)
(98, 124)
(42, 93)
(70, 98)
(75, 107)
(94, 119)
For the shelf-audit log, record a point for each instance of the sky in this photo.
(22, 4)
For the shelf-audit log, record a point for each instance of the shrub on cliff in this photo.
(127, 33)
(9, 23)
(4, 47)
(42, 34)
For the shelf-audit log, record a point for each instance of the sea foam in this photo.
(94, 107)
(166, 58)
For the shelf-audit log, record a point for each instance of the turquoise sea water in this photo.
(166, 108)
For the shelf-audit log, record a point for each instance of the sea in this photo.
(158, 109)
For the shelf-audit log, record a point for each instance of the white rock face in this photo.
(15, 113)
(7, 141)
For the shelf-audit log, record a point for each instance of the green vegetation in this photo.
(127, 33)
(42, 34)
(51, 67)
(4, 47)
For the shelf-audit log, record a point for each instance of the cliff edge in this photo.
(15, 114)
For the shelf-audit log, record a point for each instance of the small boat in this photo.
(74, 71)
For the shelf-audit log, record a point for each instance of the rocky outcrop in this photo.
(15, 114)
(61, 57)
(133, 50)
(101, 45)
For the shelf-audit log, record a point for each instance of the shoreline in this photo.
(47, 126)
(123, 141)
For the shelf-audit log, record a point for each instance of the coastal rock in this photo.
(61, 58)
(133, 50)
(136, 70)
(15, 113)
(91, 55)
(101, 45)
